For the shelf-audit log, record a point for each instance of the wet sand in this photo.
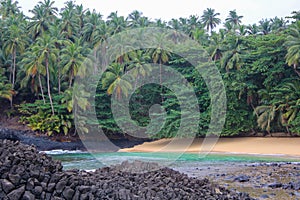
(243, 145)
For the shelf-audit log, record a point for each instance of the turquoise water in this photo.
(87, 161)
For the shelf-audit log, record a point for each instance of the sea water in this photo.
(92, 161)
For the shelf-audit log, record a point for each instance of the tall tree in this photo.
(8, 8)
(210, 19)
(73, 56)
(44, 15)
(46, 49)
(14, 42)
(293, 47)
(234, 19)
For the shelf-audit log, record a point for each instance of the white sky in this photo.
(252, 10)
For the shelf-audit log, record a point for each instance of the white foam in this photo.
(61, 151)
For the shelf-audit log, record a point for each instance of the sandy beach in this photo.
(243, 145)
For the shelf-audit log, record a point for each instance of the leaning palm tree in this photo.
(209, 19)
(293, 47)
(266, 115)
(33, 69)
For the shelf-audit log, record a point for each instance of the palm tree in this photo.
(14, 42)
(293, 47)
(5, 88)
(9, 8)
(278, 24)
(265, 26)
(139, 64)
(134, 18)
(73, 57)
(33, 69)
(44, 14)
(46, 49)
(228, 27)
(158, 54)
(296, 15)
(159, 23)
(234, 19)
(252, 29)
(266, 115)
(193, 23)
(117, 23)
(200, 36)
(209, 19)
(288, 94)
(113, 80)
(69, 24)
(232, 57)
(215, 48)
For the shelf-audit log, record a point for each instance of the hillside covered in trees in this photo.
(41, 55)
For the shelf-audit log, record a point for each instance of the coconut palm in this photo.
(69, 22)
(5, 88)
(46, 49)
(72, 58)
(159, 54)
(14, 42)
(234, 19)
(113, 81)
(265, 26)
(232, 57)
(139, 64)
(33, 69)
(44, 14)
(134, 18)
(266, 115)
(209, 19)
(9, 8)
(252, 29)
(117, 23)
(293, 47)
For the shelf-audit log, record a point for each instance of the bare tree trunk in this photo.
(41, 88)
(48, 83)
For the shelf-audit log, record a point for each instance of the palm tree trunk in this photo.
(160, 81)
(41, 88)
(295, 69)
(59, 77)
(95, 62)
(48, 83)
(14, 68)
(70, 79)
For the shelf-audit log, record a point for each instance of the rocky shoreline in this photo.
(44, 143)
(28, 174)
(264, 181)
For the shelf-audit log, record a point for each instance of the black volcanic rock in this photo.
(40, 177)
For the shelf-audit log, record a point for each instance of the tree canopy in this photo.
(41, 55)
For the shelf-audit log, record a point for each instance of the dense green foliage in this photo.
(41, 56)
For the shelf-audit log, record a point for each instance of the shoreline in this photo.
(242, 145)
